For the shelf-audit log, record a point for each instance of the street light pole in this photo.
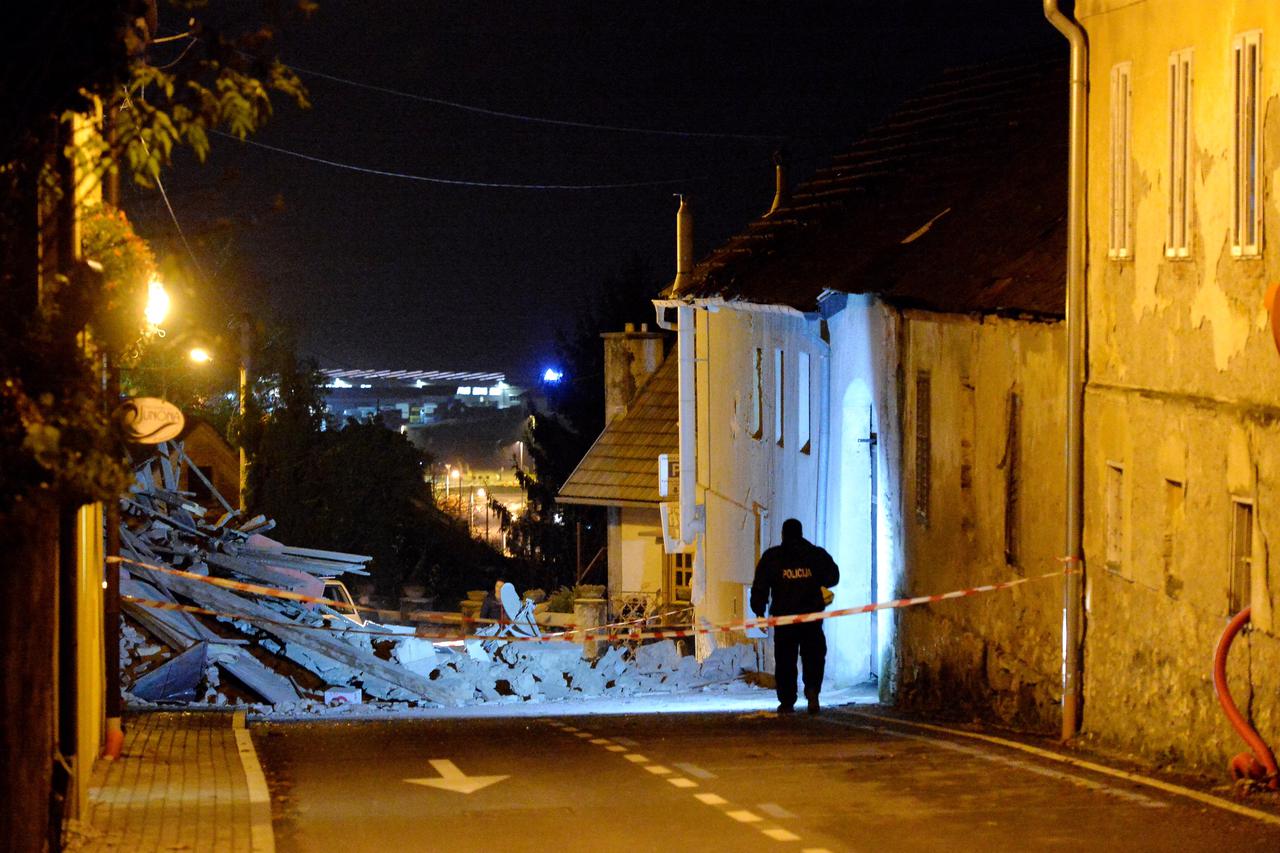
(246, 343)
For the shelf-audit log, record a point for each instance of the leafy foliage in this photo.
(54, 434)
(58, 318)
(116, 303)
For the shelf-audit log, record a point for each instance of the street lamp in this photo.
(200, 355)
(453, 474)
(157, 303)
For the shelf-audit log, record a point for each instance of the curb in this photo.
(262, 837)
(1094, 767)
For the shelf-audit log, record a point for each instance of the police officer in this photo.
(793, 575)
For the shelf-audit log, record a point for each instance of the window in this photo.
(1174, 518)
(1012, 484)
(1121, 112)
(803, 383)
(1115, 517)
(1241, 568)
(922, 447)
(680, 575)
(779, 398)
(1247, 214)
(757, 399)
(1179, 153)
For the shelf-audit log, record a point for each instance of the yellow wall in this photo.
(89, 639)
(1184, 388)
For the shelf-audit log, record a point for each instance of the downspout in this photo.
(824, 453)
(685, 351)
(1073, 579)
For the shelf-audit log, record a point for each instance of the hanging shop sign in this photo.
(149, 420)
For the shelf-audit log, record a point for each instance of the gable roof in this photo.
(621, 468)
(956, 203)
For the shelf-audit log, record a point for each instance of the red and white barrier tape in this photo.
(595, 634)
(238, 586)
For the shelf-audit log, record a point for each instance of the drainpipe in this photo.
(685, 353)
(1073, 583)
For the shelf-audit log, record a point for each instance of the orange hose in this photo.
(1261, 762)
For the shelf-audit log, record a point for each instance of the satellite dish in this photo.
(510, 601)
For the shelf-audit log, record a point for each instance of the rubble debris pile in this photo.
(284, 643)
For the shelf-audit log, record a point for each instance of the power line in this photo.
(582, 125)
(455, 182)
(164, 194)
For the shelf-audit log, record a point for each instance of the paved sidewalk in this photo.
(180, 784)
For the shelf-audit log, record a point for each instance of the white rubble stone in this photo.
(611, 663)
(657, 656)
(688, 665)
(415, 650)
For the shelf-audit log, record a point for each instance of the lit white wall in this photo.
(751, 484)
(859, 531)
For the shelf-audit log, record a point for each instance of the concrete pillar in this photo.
(590, 613)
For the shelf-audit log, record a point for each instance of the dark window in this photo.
(923, 450)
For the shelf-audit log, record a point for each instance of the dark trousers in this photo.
(807, 639)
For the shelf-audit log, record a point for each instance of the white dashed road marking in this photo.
(775, 810)
(744, 816)
(696, 771)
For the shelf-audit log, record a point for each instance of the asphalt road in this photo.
(697, 782)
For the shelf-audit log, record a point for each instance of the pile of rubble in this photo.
(229, 615)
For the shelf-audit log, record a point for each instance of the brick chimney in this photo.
(630, 357)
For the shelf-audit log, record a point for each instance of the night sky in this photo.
(388, 272)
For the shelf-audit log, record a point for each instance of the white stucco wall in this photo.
(751, 484)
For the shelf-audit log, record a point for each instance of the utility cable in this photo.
(455, 182)
(165, 195)
(582, 125)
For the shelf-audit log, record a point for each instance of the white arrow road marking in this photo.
(453, 779)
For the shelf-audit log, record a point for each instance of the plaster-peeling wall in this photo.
(1184, 394)
(995, 655)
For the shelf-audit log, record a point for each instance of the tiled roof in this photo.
(621, 468)
(979, 158)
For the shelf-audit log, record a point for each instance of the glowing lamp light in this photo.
(455, 473)
(551, 376)
(200, 355)
(481, 493)
(157, 303)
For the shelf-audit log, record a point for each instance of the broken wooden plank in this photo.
(176, 629)
(333, 556)
(200, 475)
(314, 567)
(285, 578)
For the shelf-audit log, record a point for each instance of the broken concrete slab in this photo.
(176, 679)
(317, 641)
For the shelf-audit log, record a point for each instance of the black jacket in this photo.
(491, 608)
(793, 574)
